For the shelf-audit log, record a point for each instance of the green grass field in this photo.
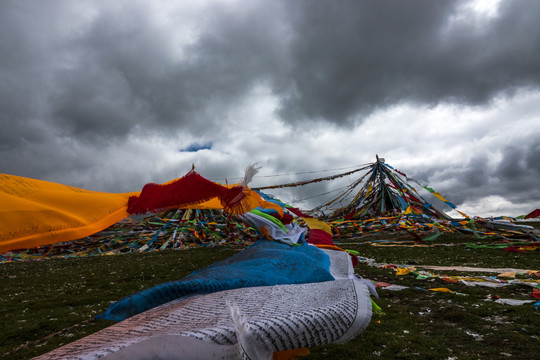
(46, 304)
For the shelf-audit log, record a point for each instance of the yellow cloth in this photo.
(35, 212)
(509, 274)
(441, 289)
(404, 271)
(313, 223)
(439, 196)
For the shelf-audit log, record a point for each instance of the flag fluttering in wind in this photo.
(36, 212)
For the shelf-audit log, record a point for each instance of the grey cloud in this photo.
(518, 171)
(513, 177)
(512, 166)
(327, 60)
(234, 52)
(100, 74)
(118, 71)
(353, 57)
(476, 173)
(532, 157)
(88, 109)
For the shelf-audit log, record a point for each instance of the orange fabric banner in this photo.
(35, 212)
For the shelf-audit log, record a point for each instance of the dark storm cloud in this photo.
(532, 157)
(476, 173)
(127, 74)
(512, 165)
(352, 57)
(98, 74)
(513, 177)
(518, 171)
(118, 70)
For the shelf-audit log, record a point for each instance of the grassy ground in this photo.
(48, 297)
(40, 298)
(421, 324)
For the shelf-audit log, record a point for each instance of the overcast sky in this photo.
(109, 95)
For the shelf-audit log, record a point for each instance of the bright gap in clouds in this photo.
(488, 8)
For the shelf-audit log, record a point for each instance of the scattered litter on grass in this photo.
(441, 290)
(514, 302)
(395, 287)
(466, 280)
(476, 336)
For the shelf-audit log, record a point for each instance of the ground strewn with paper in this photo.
(467, 322)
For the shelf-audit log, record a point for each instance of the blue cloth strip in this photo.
(265, 263)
